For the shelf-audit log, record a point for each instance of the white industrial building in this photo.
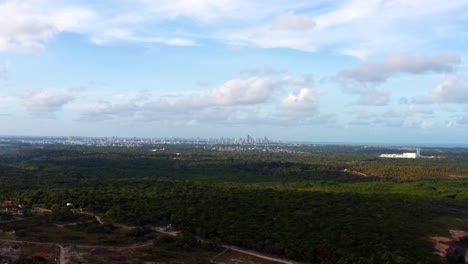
(404, 155)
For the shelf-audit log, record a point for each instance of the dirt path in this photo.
(63, 259)
(259, 255)
(164, 231)
(64, 256)
(43, 210)
(16, 219)
(62, 251)
(457, 176)
(98, 218)
(357, 173)
(234, 248)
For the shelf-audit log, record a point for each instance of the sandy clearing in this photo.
(442, 244)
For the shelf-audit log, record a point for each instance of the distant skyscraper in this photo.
(249, 140)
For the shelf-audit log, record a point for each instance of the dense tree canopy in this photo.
(311, 204)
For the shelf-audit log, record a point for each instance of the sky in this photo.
(385, 71)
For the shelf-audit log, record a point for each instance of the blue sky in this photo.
(384, 71)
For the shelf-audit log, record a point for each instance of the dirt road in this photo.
(62, 251)
(259, 255)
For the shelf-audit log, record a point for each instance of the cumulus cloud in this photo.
(45, 102)
(26, 25)
(305, 99)
(264, 70)
(454, 89)
(291, 21)
(254, 90)
(233, 93)
(234, 101)
(239, 92)
(376, 72)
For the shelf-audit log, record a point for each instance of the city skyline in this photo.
(316, 71)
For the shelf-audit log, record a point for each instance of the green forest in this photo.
(308, 203)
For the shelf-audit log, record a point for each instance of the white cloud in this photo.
(71, 18)
(454, 89)
(230, 97)
(354, 27)
(254, 90)
(305, 99)
(376, 72)
(360, 27)
(265, 37)
(215, 11)
(26, 25)
(291, 21)
(45, 102)
(205, 10)
(361, 54)
(20, 30)
(126, 35)
(236, 101)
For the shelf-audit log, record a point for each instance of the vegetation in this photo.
(307, 203)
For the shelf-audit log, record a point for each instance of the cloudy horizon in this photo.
(340, 71)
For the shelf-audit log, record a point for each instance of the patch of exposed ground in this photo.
(457, 176)
(445, 245)
(236, 257)
(356, 173)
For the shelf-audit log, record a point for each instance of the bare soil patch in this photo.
(236, 257)
(444, 246)
(457, 176)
